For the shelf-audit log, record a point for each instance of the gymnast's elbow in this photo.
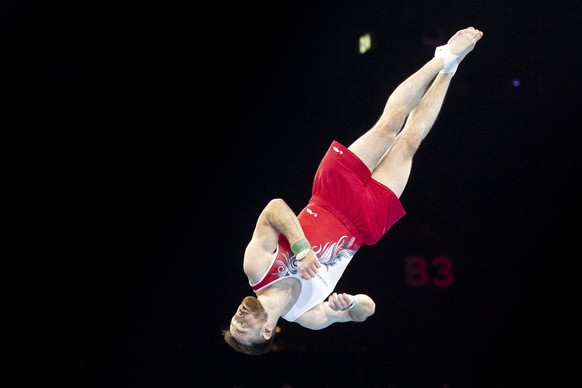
(363, 307)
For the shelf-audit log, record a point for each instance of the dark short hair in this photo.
(253, 350)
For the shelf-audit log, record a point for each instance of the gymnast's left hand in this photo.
(309, 266)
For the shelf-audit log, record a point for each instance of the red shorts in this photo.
(343, 185)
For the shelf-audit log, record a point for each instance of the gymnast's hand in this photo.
(338, 302)
(309, 265)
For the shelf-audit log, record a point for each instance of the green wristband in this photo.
(300, 245)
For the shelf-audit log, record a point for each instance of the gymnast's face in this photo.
(248, 324)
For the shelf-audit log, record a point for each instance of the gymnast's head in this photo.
(249, 331)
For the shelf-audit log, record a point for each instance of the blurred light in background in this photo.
(365, 43)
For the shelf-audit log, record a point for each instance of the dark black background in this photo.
(143, 139)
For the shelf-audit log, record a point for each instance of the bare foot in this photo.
(463, 42)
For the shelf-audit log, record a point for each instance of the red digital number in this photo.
(420, 273)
